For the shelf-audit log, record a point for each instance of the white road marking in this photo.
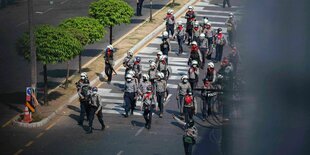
(46, 11)
(139, 131)
(63, 2)
(119, 101)
(22, 23)
(214, 5)
(120, 152)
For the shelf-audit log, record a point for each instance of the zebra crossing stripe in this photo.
(204, 4)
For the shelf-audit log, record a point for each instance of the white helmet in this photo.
(145, 76)
(129, 77)
(130, 53)
(194, 43)
(190, 7)
(231, 14)
(194, 62)
(83, 75)
(184, 77)
(211, 64)
(202, 36)
(196, 24)
(205, 20)
(170, 11)
(152, 64)
(165, 34)
(159, 53)
(110, 46)
(179, 22)
(131, 72)
(160, 75)
(209, 23)
(162, 57)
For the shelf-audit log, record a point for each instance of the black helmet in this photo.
(219, 30)
(189, 92)
(94, 89)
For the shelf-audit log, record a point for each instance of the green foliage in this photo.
(53, 45)
(111, 12)
(81, 36)
(94, 30)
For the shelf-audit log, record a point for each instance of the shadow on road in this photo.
(74, 117)
(136, 123)
(74, 108)
(91, 52)
(101, 78)
(136, 21)
(154, 6)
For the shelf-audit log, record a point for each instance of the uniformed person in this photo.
(234, 58)
(139, 7)
(209, 33)
(128, 62)
(203, 47)
(162, 65)
(196, 31)
(109, 63)
(193, 74)
(161, 88)
(180, 34)
(143, 85)
(207, 98)
(165, 46)
(211, 73)
(195, 54)
(149, 104)
(95, 109)
(220, 42)
(170, 21)
(190, 17)
(231, 29)
(189, 107)
(152, 72)
(137, 67)
(130, 93)
(83, 90)
(183, 87)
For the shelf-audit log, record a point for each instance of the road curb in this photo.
(137, 47)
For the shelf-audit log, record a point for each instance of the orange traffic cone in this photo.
(27, 115)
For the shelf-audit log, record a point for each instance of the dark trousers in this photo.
(92, 111)
(108, 71)
(187, 148)
(219, 52)
(188, 113)
(181, 103)
(139, 7)
(189, 36)
(147, 114)
(210, 42)
(160, 99)
(207, 102)
(84, 107)
(170, 29)
(231, 38)
(203, 54)
(193, 83)
(180, 43)
(226, 2)
(129, 101)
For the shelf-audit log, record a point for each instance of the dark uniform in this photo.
(195, 54)
(130, 96)
(128, 63)
(108, 63)
(83, 99)
(137, 67)
(95, 108)
(165, 47)
(139, 7)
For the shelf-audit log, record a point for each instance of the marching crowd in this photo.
(205, 50)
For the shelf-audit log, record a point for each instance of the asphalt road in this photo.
(123, 135)
(15, 69)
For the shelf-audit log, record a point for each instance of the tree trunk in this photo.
(111, 27)
(67, 77)
(80, 62)
(33, 55)
(45, 84)
(173, 3)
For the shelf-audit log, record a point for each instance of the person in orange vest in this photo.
(170, 21)
(220, 42)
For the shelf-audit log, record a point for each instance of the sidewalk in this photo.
(12, 101)
(63, 97)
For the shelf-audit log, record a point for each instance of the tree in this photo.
(53, 45)
(94, 30)
(111, 12)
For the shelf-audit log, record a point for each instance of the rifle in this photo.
(111, 67)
